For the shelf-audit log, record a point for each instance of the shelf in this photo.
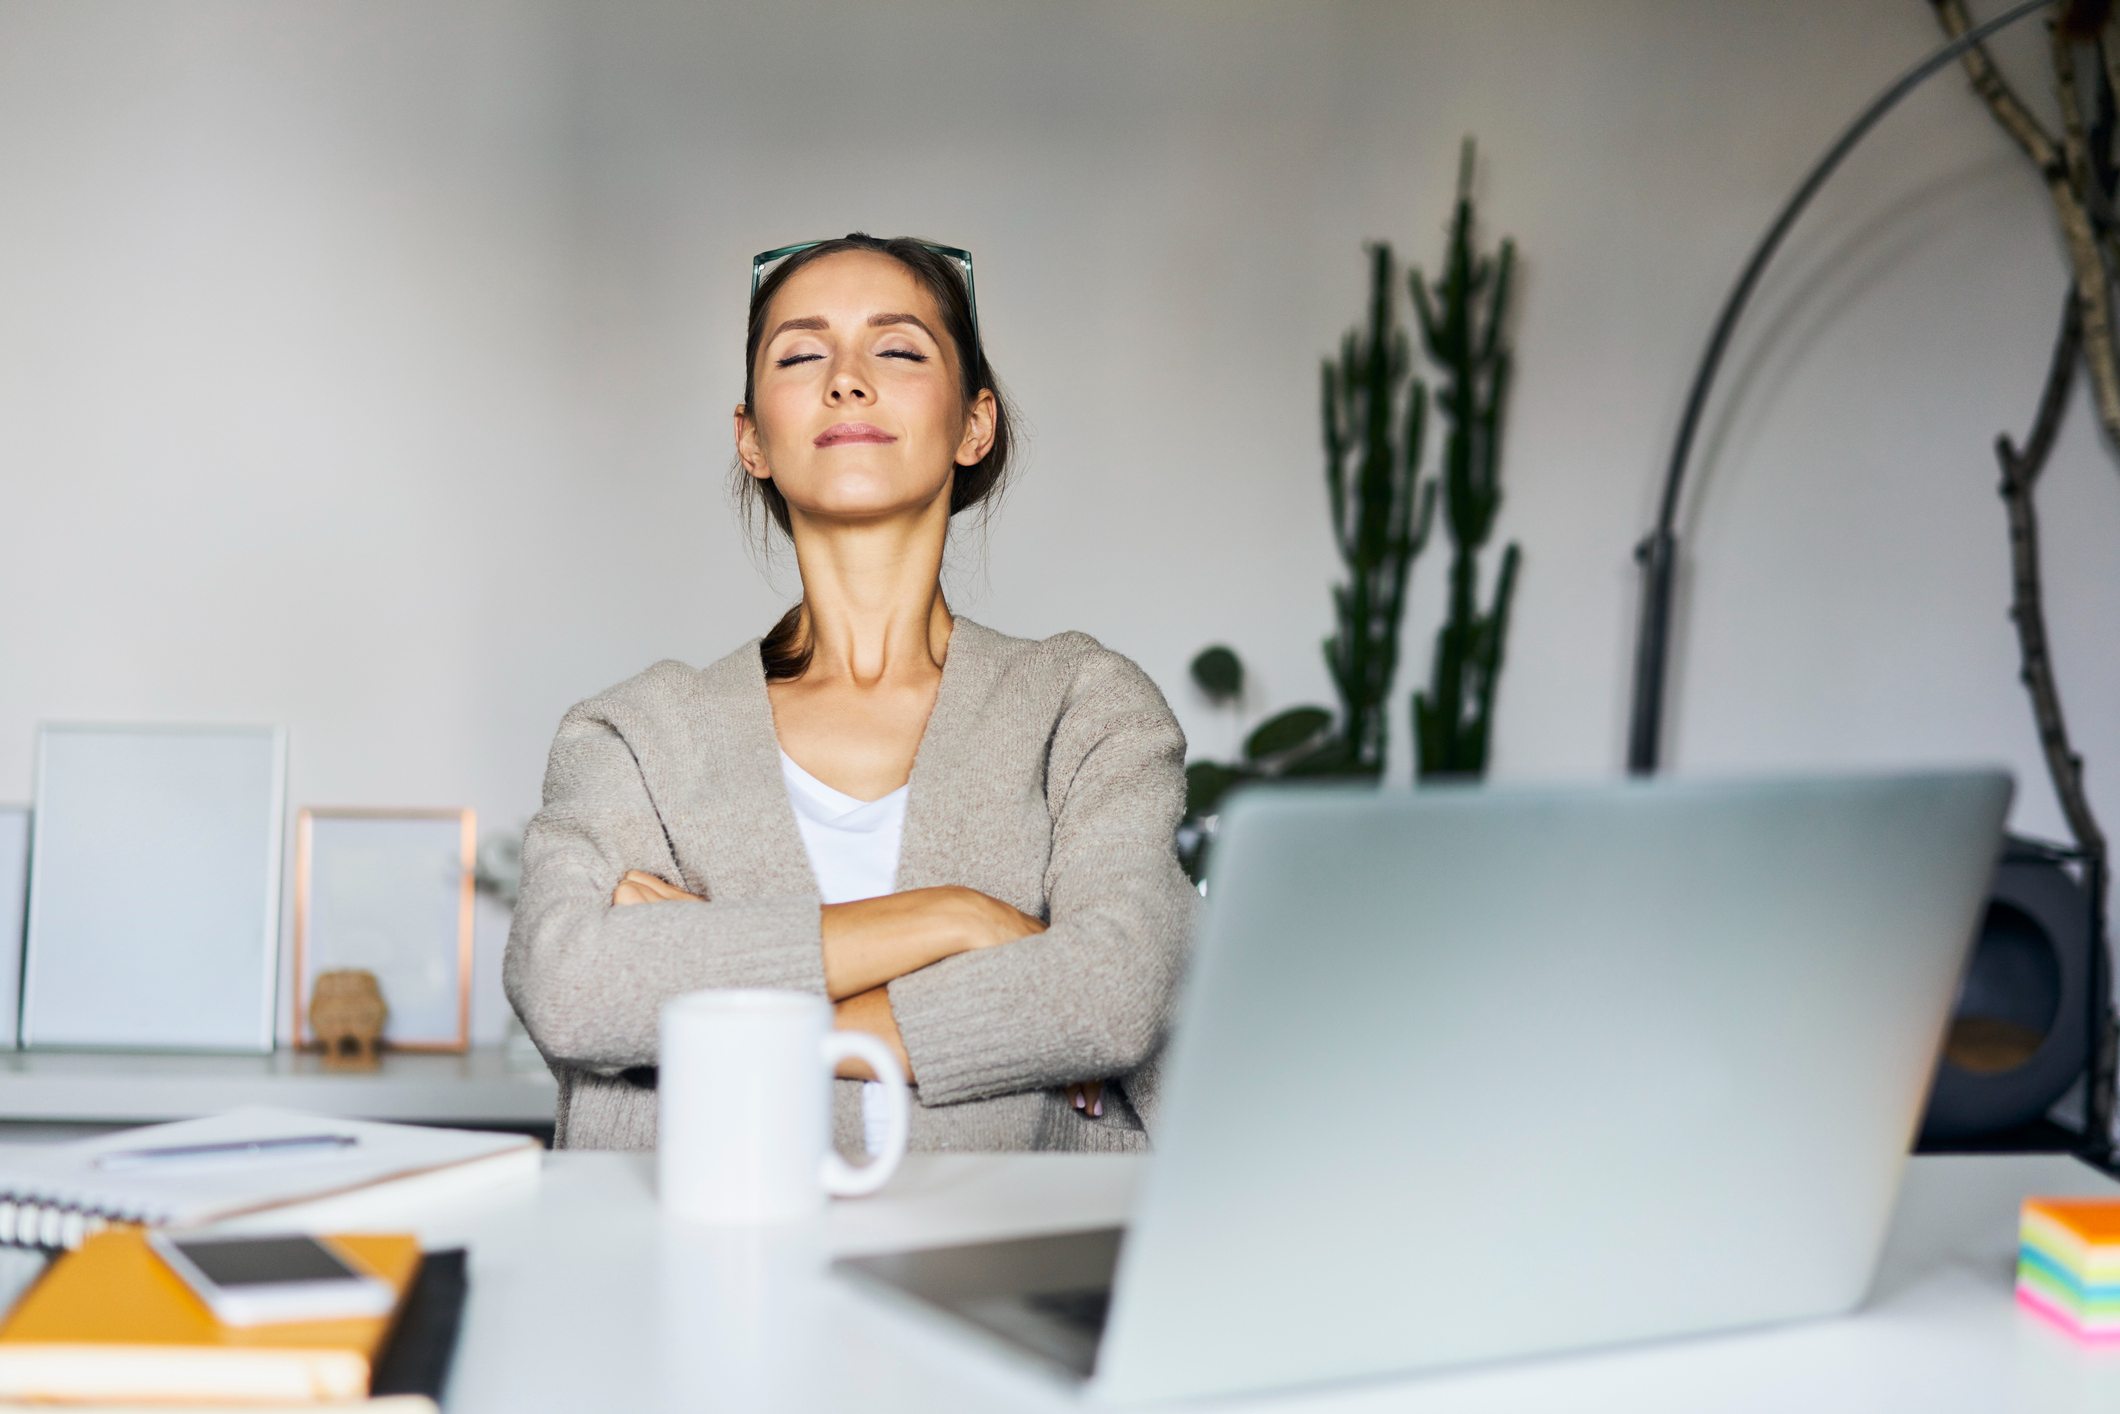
(2041, 1136)
(128, 1087)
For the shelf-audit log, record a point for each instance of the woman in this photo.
(963, 838)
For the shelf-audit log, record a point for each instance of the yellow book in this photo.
(381, 1404)
(110, 1321)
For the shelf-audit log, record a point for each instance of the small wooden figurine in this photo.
(346, 1014)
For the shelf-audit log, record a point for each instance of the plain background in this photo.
(367, 367)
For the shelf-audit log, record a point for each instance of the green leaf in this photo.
(1194, 860)
(1334, 756)
(1218, 672)
(1285, 732)
(1206, 782)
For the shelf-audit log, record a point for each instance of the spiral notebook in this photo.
(53, 1196)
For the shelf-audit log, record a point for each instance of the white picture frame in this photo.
(153, 920)
(14, 909)
(389, 891)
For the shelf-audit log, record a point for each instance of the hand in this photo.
(1087, 1096)
(870, 1011)
(639, 887)
(987, 922)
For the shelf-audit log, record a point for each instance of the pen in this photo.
(232, 1149)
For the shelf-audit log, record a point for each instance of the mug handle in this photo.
(845, 1180)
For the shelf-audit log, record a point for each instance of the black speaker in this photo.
(2021, 1031)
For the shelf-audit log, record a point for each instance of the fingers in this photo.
(1087, 1096)
(651, 884)
(995, 921)
(632, 888)
(638, 886)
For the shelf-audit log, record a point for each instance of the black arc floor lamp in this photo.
(2007, 954)
(1658, 554)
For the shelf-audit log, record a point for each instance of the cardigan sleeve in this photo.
(589, 979)
(1091, 996)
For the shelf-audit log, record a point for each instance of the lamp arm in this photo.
(1658, 553)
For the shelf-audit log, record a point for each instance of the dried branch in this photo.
(2101, 138)
(2020, 477)
(2070, 188)
(2079, 170)
(2066, 169)
(2023, 468)
(2109, 68)
(1988, 82)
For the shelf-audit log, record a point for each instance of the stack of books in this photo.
(110, 1324)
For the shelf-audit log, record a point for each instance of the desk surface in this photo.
(120, 1087)
(585, 1297)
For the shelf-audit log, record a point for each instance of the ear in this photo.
(978, 429)
(748, 451)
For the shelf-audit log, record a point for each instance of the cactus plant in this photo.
(1381, 514)
(1374, 408)
(1461, 322)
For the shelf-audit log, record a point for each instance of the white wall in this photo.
(367, 366)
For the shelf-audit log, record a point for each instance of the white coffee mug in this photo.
(744, 1107)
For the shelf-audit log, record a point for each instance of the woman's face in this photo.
(858, 413)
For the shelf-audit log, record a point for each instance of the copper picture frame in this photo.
(433, 868)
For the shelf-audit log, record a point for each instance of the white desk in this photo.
(584, 1297)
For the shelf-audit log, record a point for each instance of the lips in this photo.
(852, 432)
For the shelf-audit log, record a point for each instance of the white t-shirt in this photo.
(853, 849)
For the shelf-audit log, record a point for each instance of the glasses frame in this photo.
(963, 258)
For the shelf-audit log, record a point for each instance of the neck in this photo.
(867, 645)
(872, 609)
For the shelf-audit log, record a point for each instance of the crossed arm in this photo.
(868, 942)
(983, 999)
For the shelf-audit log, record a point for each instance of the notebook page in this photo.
(181, 1193)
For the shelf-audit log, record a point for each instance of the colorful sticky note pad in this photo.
(2068, 1264)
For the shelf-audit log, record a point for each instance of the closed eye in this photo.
(887, 353)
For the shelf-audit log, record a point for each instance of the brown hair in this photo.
(785, 649)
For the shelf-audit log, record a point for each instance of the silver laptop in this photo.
(1466, 1073)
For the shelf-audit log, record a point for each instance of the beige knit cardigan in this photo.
(1050, 775)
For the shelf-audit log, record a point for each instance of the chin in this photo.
(866, 497)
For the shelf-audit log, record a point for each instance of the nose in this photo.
(846, 386)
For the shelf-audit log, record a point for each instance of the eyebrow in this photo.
(818, 321)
